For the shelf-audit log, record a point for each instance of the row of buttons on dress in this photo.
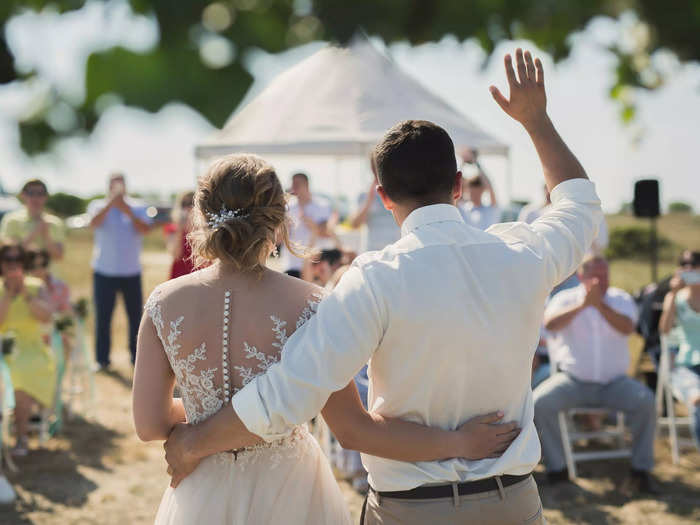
(224, 345)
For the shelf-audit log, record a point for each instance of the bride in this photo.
(214, 330)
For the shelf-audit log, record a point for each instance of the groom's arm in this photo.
(319, 359)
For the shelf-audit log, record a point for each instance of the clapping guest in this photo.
(119, 224)
(682, 310)
(589, 326)
(24, 313)
(178, 245)
(31, 225)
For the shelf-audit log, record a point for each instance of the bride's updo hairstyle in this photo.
(240, 214)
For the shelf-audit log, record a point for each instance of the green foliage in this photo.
(634, 242)
(680, 207)
(65, 204)
(176, 69)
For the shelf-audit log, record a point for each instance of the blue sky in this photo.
(156, 151)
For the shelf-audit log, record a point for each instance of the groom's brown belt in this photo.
(447, 491)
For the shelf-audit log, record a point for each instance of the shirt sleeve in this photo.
(563, 233)
(558, 303)
(320, 358)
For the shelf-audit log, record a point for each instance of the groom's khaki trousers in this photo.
(516, 504)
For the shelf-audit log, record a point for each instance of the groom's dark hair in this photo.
(416, 162)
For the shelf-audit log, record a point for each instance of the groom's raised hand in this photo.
(528, 102)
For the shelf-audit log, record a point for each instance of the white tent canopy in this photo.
(339, 102)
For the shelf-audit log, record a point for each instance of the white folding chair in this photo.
(570, 437)
(665, 394)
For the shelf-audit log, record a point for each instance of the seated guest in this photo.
(682, 309)
(589, 327)
(32, 364)
(54, 291)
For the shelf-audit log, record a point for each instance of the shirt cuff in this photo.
(577, 190)
(252, 412)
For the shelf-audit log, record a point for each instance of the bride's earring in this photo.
(275, 252)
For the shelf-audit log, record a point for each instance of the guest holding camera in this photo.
(32, 364)
(682, 310)
(119, 224)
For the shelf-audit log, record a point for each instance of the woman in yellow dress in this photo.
(23, 312)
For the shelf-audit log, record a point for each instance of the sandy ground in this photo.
(98, 472)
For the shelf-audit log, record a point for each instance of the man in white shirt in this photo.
(410, 308)
(589, 326)
(474, 212)
(308, 216)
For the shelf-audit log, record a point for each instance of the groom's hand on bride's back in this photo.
(486, 436)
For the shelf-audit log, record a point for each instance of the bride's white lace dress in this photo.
(285, 482)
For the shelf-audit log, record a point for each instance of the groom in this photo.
(448, 316)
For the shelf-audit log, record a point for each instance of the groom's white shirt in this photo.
(450, 317)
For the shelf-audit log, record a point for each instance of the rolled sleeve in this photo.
(320, 358)
(568, 227)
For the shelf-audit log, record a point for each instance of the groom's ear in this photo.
(457, 188)
(386, 201)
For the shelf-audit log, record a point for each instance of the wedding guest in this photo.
(31, 225)
(590, 326)
(320, 268)
(682, 310)
(474, 212)
(309, 216)
(178, 245)
(55, 291)
(119, 224)
(32, 364)
(380, 229)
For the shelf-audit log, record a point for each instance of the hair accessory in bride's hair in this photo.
(216, 220)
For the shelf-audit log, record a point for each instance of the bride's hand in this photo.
(181, 463)
(484, 437)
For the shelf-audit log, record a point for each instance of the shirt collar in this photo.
(430, 214)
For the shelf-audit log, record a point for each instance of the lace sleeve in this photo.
(154, 310)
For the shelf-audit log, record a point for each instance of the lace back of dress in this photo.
(210, 368)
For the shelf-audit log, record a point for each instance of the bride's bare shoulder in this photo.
(175, 289)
